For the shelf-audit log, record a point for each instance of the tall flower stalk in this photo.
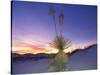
(61, 19)
(52, 13)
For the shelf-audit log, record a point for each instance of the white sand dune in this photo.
(81, 60)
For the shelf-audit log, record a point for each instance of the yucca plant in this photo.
(58, 63)
(60, 43)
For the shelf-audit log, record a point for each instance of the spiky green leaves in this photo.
(60, 43)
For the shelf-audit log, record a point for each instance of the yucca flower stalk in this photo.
(61, 19)
(52, 13)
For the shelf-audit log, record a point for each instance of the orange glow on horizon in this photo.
(30, 51)
(44, 48)
(47, 51)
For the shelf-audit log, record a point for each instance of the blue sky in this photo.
(31, 21)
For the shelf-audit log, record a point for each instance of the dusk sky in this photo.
(33, 27)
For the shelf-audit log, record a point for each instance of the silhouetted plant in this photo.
(60, 43)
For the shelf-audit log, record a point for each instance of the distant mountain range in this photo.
(16, 56)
